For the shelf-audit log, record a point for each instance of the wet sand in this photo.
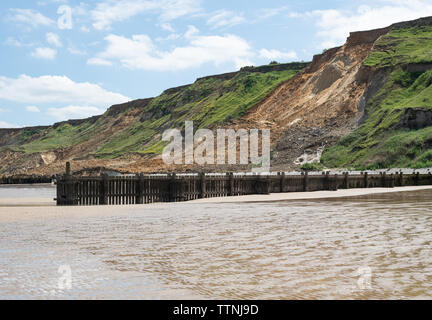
(21, 209)
(310, 195)
(376, 246)
(9, 202)
(26, 202)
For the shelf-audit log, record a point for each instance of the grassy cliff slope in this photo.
(396, 131)
(134, 129)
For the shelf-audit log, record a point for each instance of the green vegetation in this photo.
(312, 166)
(402, 46)
(62, 137)
(208, 102)
(27, 133)
(381, 141)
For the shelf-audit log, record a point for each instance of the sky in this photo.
(67, 59)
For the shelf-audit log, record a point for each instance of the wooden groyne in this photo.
(141, 189)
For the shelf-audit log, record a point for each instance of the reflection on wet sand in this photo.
(368, 247)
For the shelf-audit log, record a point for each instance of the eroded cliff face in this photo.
(319, 106)
(306, 114)
(311, 111)
(16, 162)
(128, 137)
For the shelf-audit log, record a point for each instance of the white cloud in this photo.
(77, 52)
(33, 109)
(171, 37)
(13, 42)
(139, 52)
(53, 39)
(7, 125)
(334, 25)
(99, 62)
(56, 89)
(296, 15)
(44, 3)
(74, 112)
(225, 18)
(167, 27)
(30, 17)
(173, 9)
(81, 10)
(111, 11)
(271, 12)
(44, 53)
(276, 54)
(191, 31)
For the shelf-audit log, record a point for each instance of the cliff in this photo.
(366, 104)
(131, 132)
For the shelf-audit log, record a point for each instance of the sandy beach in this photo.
(48, 202)
(277, 246)
(12, 209)
(310, 195)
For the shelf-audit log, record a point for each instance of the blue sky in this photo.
(66, 59)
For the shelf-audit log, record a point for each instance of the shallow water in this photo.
(369, 247)
(27, 191)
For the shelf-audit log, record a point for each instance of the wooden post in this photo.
(231, 184)
(203, 185)
(172, 187)
(302, 180)
(306, 181)
(60, 192)
(346, 182)
(71, 198)
(282, 182)
(391, 181)
(417, 178)
(326, 180)
(334, 183)
(365, 180)
(103, 195)
(266, 185)
(181, 185)
(139, 189)
(262, 185)
(383, 179)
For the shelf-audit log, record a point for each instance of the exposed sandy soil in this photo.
(313, 110)
(305, 114)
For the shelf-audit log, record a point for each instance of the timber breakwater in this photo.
(143, 189)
